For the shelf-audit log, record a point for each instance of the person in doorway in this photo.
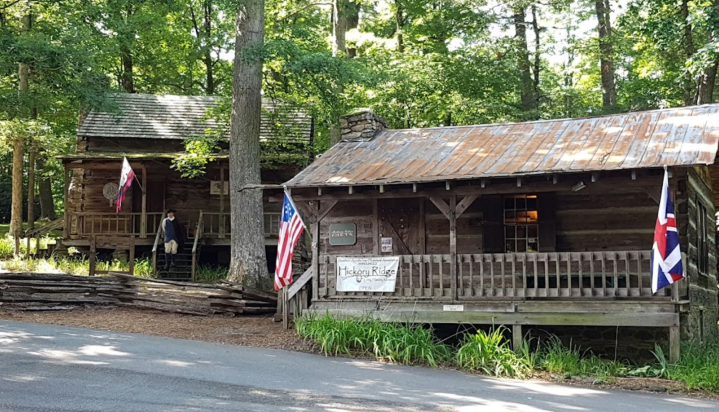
(173, 238)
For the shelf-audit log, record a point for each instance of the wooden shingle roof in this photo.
(147, 116)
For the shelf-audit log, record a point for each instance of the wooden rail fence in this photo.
(31, 291)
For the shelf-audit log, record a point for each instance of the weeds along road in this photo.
(53, 368)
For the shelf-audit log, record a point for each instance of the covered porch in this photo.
(91, 185)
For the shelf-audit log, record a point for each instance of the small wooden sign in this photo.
(216, 187)
(343, 234)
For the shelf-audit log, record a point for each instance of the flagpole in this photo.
(137, 180)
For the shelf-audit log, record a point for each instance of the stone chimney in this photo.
(361, 126)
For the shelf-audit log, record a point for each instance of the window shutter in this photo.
(493, 225)
(547, 212)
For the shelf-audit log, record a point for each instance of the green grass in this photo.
(698, 367)
(489, 353)
(143, 267)
(397, 343)
(7, 246)
(210, 274)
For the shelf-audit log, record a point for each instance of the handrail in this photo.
(198, 235)
(154, 247)
(46, 228)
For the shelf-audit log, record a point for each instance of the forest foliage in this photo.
(417, 63)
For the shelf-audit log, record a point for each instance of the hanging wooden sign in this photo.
(343, 234)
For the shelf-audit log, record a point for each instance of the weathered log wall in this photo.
(692, 190)
(588, 220)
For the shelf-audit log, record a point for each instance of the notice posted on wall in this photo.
(367, 274)
(386, 243)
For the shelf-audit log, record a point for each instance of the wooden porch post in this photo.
(375, 226)
(674, 344)
(453, 245)
(143, 217)
(315, 249)
(66, 228)
(132, 253)
(516, 337)
(30, 193)
(221, 234)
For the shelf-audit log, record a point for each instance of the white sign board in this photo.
(367, 274)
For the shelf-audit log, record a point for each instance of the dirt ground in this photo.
(260, 331)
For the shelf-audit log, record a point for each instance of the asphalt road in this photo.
(54, 369)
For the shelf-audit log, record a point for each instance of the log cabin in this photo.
(536, 224)
(151, 131)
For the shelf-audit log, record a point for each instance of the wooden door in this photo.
(155, 207)
(400, 220)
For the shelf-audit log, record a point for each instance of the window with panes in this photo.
(521, 223)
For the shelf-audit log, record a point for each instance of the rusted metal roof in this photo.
(672, 137)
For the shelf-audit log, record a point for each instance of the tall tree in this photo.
(249, 262)
(18, 143)
(606, 53)
(708, 73)
(527, 97)
(47, 203)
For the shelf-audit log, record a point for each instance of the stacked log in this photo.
(27, 291)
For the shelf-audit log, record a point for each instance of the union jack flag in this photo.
(666, 257)
(126, 178)
(291, 228)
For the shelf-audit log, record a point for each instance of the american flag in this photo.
(666, 260)
(291, 228)
(126, 178)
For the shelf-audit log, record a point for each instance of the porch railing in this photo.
(595, 275)
(89, 223)
(215, 224)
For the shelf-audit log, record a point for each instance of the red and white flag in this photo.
(126, 178)
(291, 228)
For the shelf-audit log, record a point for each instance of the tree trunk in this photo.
(537, 55)
(47, 203)
(18, 144)
(399, 20)
(128, 82)
(249, 262)
(339, 27)
(688, 40)
(339, 49)
(707, 83)
(209, 63)
(520, 36)
(31, 190)
(606, 54)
